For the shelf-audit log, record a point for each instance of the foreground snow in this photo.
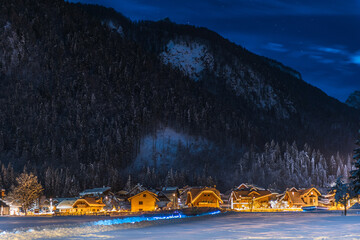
(325, 225)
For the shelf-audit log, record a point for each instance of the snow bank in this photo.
(93, 229)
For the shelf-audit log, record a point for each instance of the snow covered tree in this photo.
(355, 174)
(128, 184)
(28, 189)
(343, 193)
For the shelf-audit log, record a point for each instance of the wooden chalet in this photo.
(168, 198)
(143, 201)
(295, 198)
(138, 188)
(65, 205)
(4, 208)
(88, 205)
(249, 197)
(203, 197)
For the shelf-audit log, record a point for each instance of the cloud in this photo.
(277, 47)
(355, 58)
(331, 50)
(322, 59)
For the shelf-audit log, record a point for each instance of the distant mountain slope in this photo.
(354, 100)
(83, 88)
(272, 96)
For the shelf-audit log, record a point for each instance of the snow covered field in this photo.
(297, 225)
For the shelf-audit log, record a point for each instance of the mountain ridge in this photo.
(354, 100)
(80, 94)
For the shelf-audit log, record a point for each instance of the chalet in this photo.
(168, 198)
(164, 202)
(122, 197)
(329, 201)
(138, 188)
(249, 197)
(203, 197)
(88, 205)
(143, 201)
(295, 198)
(4, 208)
(183, 196)
(65, 205)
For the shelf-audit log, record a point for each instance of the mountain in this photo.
(354, 100)
(89, 97)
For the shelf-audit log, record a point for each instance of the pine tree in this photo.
(343, 193)
(355, 174)
(128, 185)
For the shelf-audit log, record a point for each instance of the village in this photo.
(139, 200)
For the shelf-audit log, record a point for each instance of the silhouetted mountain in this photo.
(87, 94)
(354, 100)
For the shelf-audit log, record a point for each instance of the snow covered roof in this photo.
(196, 192)
(137, 189)
(90, 202)
(243, 193)
(95, 191)
(296, 196)
(169, 189)
(67, 203)
(3, 204)
(249, 186)
(146, 191)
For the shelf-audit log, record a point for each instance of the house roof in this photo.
(296, 195)
(90, 201)
(251, 193)
(94, 191)
(248, 186)
(295, 198)
(163, 197)
(122, 193)
(3, 204)
(146, 191)
(138, 188)
(67, 203)
(196, 193)
(171, 189)
(308, 190)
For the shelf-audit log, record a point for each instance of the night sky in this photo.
(319, 38)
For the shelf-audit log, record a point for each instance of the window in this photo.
(140, 209)
(141, 203)
(144, 195)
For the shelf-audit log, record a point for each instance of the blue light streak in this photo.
(138, 219)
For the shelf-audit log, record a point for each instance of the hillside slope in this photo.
(83, 88)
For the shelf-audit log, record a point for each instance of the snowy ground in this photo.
(298, 225)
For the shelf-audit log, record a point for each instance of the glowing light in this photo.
(149, 219)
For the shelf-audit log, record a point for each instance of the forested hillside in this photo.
(82, 87)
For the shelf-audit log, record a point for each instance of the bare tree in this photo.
(28, 189)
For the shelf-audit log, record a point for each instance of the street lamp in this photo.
(51, 207)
